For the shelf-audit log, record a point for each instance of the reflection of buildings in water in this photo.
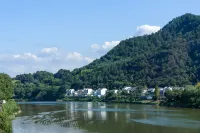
(128, 116)
(89, 104)
(67, 109)
(116, 116)
(90, 115)
(90, 112)
(103, 115)
(70, 109)
(128, 106)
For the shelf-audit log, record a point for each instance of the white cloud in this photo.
(110, 45)
(49, 50)
(146, 30)
(78, 57)
(102, 49)
(29, 62)
(95, 46)
(74, 56)
(26, 56)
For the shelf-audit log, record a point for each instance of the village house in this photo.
(75, 93)
(87, 92)
(94, 93)
(80, 93)
(116, 91)
(151, 90)
(149, 93)
(133, 89)
(129, 89)
(144, 92)
(70, 92)
(101, 92)
(167, 88)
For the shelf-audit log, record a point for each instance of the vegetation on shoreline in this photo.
(187, 98)
(7, 115)
(9, 108)
(122, 100)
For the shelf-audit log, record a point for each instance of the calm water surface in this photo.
(87, 117)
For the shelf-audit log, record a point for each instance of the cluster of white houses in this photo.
(148, 93)
(87, 92)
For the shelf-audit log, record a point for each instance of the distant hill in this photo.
(170, 57)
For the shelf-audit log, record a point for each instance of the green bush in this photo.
(6, 116)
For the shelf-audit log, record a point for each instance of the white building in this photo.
(75, 93)
(144, 91)
(70, 92)
(80, 93)
(129, 89)
(151, 90)
(101, 92)
(95, 93)
(116, 91)
(87, 91)
(167, 88)
(4, 101)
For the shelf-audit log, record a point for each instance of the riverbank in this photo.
(177, 105)
(164, 103)
(103, 99)
(143, 102)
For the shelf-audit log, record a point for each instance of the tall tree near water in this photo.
(157, 93)
(6, 87)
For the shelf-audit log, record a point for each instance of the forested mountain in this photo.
(169, 57)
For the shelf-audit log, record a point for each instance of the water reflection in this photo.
(90, 112)
(77, 117)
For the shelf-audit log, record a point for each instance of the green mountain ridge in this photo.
(169, 57)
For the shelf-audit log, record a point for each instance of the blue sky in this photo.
(53, 34)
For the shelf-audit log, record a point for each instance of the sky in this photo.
(48, 35)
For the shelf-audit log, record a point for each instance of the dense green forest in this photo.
(169, 57)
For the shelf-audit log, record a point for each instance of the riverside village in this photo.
(142, 93)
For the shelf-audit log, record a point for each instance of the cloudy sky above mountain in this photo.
(50, 35)
(52, 58)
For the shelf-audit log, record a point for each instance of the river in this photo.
(88, 117)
